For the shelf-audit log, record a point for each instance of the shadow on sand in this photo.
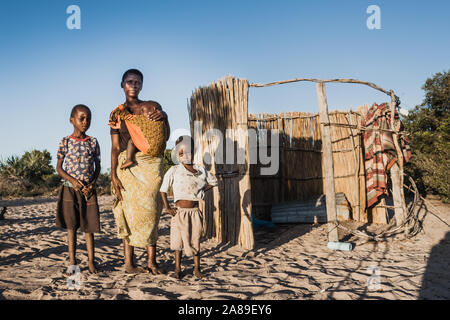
(436, 281)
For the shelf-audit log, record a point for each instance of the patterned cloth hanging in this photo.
(379, 149)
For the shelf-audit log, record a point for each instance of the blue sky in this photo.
(180, 45)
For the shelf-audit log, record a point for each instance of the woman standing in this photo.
(138, 204)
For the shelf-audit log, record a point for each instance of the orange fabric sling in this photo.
(135, 125)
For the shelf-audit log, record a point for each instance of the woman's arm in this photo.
(166, 126)
(115, 150)
(157, 115)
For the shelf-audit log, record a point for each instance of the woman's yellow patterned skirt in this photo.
(137, 215)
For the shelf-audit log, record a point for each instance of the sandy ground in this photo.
(289, 262)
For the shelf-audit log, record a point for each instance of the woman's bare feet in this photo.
(177, 274)
(198, 274)
(153, 268)
(127, 164)
(133, 269)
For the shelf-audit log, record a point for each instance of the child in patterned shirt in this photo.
(77, 200)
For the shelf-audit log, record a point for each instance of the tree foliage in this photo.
(167, 160)
(28, 175)
(104, 183)
(428, 126)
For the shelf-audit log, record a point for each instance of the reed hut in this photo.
(319, 154)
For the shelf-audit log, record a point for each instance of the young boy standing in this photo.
(189, 183)
(77, 199)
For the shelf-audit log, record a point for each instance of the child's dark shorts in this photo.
(73, 211)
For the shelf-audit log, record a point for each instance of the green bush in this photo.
(52, 181)
(37, 164)
(428, 126)
(30, 175)
(167, 160)
(104, 183)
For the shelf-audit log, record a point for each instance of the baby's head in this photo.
(185, 147)
(147, 107)
(80, 117)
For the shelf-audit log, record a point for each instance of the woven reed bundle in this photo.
(154, 133)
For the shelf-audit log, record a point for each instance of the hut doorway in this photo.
(329, 145)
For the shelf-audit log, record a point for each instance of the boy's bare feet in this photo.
(127, 164)
(92, 268)
(71, 270)
(68, 273)
(198, 274)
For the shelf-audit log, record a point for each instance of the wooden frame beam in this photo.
(370, 84)
(328, 168)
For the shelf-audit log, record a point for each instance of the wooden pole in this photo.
(396, 194)
(357, 165)
(282, 167)
(245, 238)
(397, 173)
(327, 157)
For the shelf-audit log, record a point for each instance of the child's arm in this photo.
(208, 186)
(165, 186)
(167, 208)
(90, 187)
(97, 171)
(166, 121)
(77, 185)
(211, 181)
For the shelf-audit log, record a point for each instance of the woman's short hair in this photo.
(133, 71)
